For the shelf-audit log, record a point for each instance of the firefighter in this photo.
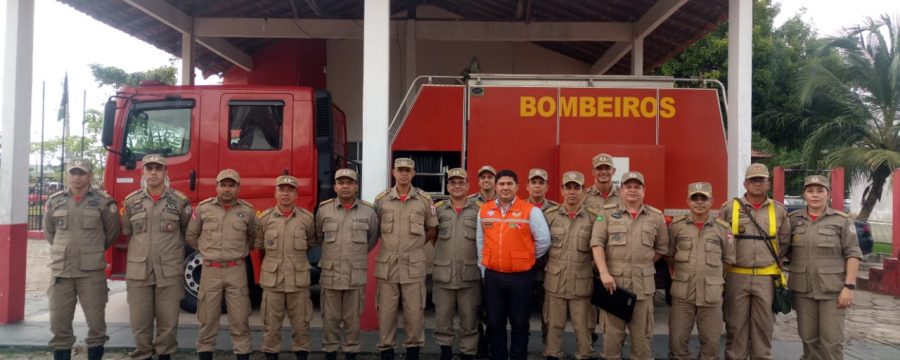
(511, 235)
(456, 277)
(749, 286)
(825, 259)
(347, 228)
(569, 279)
(81, 223)
(626, 241)
(155, 220)
(603, 191)
(285, 234)
(407, 221)
(701, 249)
(222, 229)
(487, 180)
(537, 189)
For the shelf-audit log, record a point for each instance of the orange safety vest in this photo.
(508, 244)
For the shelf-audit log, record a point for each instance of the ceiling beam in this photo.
(167, 14)
(435, 30)
(654, 17)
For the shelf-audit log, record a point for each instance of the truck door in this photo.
(257, 132)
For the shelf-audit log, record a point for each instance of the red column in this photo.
(778, 184)
(896, 215)
(13, 244)
(837, 188)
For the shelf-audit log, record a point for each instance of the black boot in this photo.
(62, 354)
(387, 354)
(165, 357)
(446, 353)
(95, 353)
(551, 358)
(242, 356)
(466, 357)
(349, 356)
(412, 353)
(271, 356)
(332, 355)
(301, 355)
(206, 355)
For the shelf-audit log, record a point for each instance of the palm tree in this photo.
(851, 97)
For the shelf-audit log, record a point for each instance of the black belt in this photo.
(754, 237)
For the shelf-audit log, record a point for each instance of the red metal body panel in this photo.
(436, 122)
(286, 62)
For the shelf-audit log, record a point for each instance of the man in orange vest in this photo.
(511, 234)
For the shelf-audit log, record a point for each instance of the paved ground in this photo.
(872, 327)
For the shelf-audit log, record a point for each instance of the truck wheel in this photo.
(192, 265)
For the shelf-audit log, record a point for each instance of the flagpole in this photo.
(83, 115)
(41, 178)
(64, 109)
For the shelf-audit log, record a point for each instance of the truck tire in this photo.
(193, 263)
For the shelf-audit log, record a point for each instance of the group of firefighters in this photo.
(490, 247)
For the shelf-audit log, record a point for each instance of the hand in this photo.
(608, 282)
(845, 299)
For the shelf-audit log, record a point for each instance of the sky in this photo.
(67, 41)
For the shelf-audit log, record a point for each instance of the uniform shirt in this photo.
(569, 271)
(752, 253)
(631, 244)
(402, 256)
(478, 198)
(221, 234)
(539, 232)
(819, 250)
(79, 232)
(156, 230)
(455, 252)
(594, 198)
(700, 255)
(547, 204)
(347, 235)
(286, 240)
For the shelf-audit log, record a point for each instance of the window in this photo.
(158, 127)
(255, 125)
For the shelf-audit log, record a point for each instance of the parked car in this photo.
(864, 234)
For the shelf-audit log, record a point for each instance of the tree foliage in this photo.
(115, 77)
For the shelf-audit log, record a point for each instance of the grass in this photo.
(881, 248)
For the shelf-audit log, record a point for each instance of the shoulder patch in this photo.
(724, 223)
(653, 209)
(326, 202)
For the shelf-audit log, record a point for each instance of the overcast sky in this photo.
(66, 40)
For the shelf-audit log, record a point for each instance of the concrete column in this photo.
(837, 189)
(187, 58)
(740, 62)
(637, 57)
(16, 97)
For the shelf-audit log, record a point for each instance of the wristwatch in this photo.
(850, 286)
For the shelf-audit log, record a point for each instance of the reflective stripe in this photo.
(768, 270)
(524, 221)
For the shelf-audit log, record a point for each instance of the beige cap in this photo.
(816, 180)
(633, 175)
(704, 188)
(457, 173)
(81, 164)
(347, 173)
(487, 168)
(756, 170)
(404, 163)
(286, 180)
(154, 159)
(603, 159)
(573, 176)
(228, 174)
(536, 172)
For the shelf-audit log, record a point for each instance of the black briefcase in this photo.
(620, 303)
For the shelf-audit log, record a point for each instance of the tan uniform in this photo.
(223, 236)
(284, 275)
(401, 264)
(749, 319)
(79, 231)
(699, 257)
(594, 198)
(456, 276)
(477, 198)
(155, 272)
(568, 282)
(347, 235)
(819, 250)
(631, 244)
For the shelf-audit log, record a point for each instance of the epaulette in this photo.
(653, 209)
(678, 219)
(326, 202)
(133, 193)
(181, 196)
(268, 212)
(551, 209)
(841, 213)
(594, 211)
(728, 203)
(366, 203)
(102, 193)
(424, 194)
(439, 203)
(383, 194)
(307, 212)
(56, 194)
(241, 201)
(472, 196)
(554, 203)
(723, 223)
(610, 206)
(796, 212)
(207, 201)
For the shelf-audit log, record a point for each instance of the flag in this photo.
(64, 105)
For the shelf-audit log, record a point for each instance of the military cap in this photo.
(537, 172)
(704, 188)
(756, 170)
(81, 164)
(154, 159)
(286, 180)
(347, 173)
(228, 174)
(487, 168)
(602, 159)
(404, 163)
(816, 180)
(573, 176)
(457, 173)
(633, 175)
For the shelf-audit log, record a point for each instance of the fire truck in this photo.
(669, 129)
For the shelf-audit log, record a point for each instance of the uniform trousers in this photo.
(682, 318)
(821, 327)
(230, 283)
(749, 319)
(152, 306)
(92, 293)
(341, 307)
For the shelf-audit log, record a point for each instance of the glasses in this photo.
(699, 198)
(757, 181)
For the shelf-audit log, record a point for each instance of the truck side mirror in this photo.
(109, 118)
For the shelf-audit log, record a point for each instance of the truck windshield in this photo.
(158, 127)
